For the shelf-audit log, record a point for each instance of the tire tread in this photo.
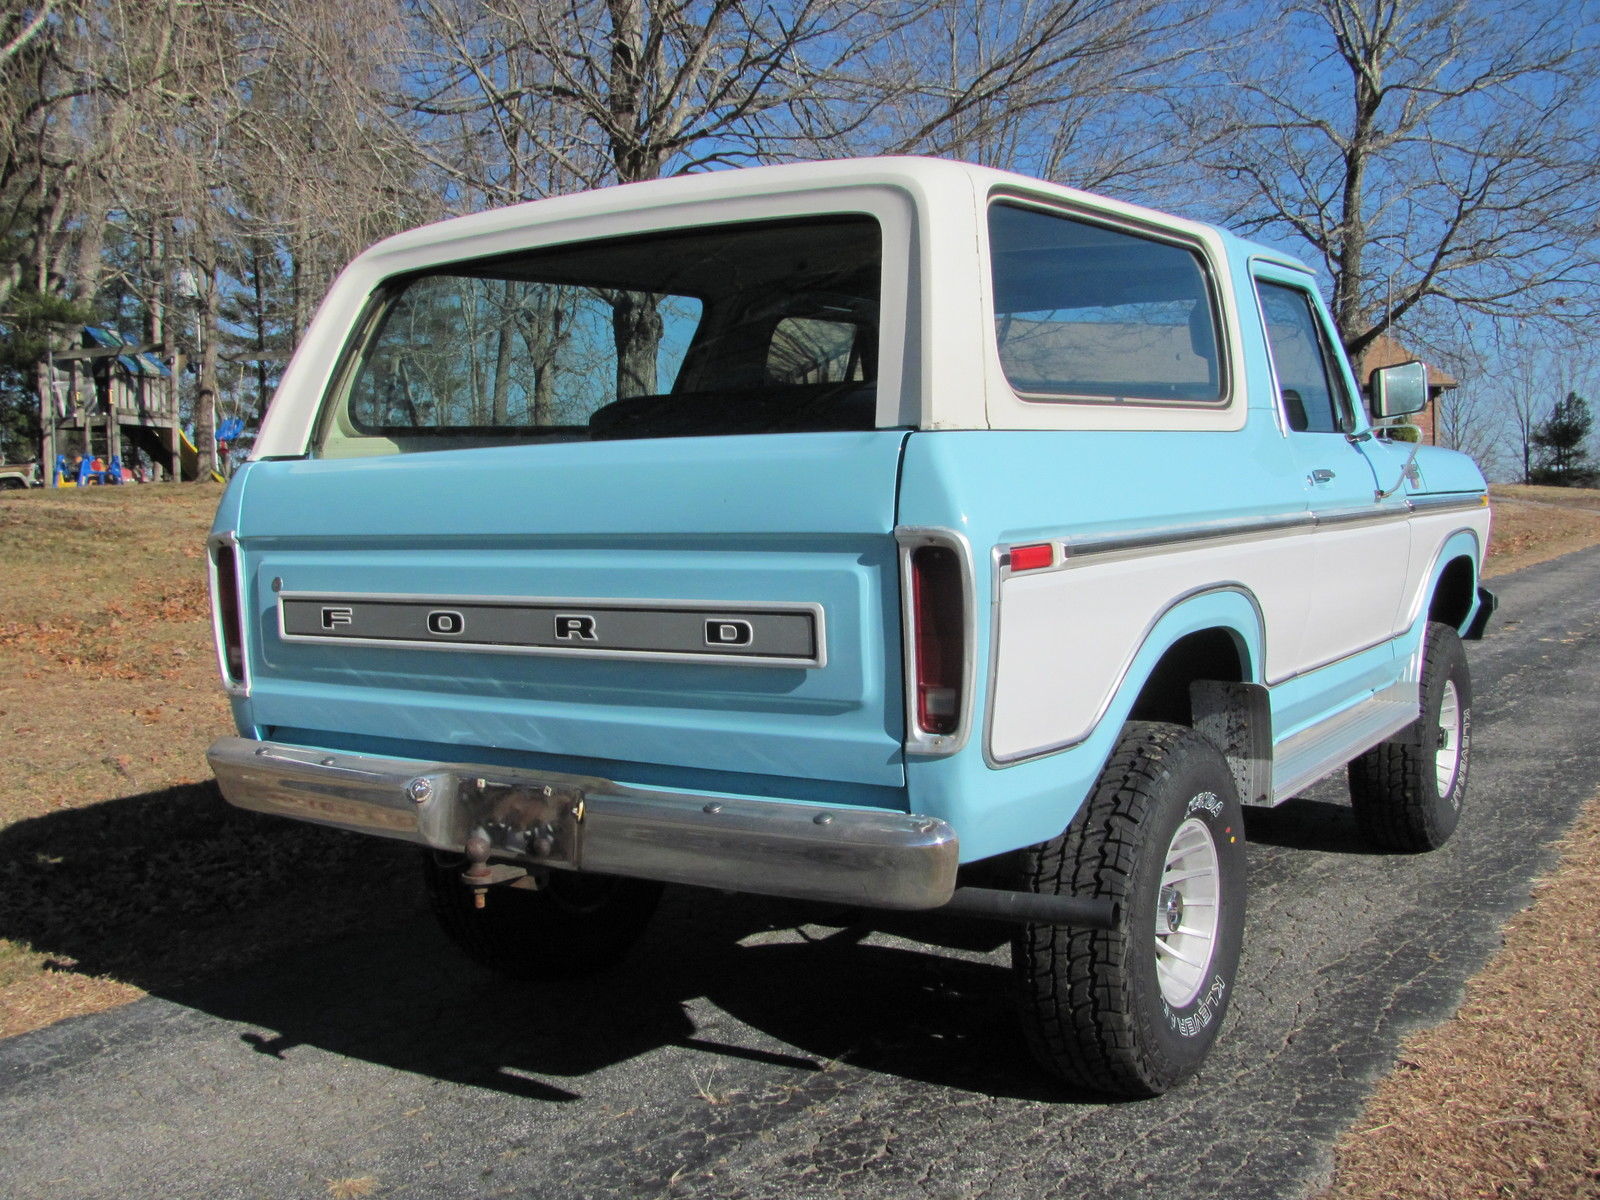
(1393, 793)
(1077, 1014)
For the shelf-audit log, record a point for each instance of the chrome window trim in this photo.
(1227, 391)
(1280, 418)
(892, 205)
(1342, 376)
(917, 741)
(816, 611)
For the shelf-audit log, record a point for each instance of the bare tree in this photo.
(318, 170)
(1428, 152)
(1063, 89)
(524, 99)
(544, 97)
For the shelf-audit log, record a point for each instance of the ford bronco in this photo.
(893, 532)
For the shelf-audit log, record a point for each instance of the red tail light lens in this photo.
(225, 598)
(936, 597)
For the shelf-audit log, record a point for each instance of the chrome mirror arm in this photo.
(1405, 473)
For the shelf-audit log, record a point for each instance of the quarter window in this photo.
(1089, 313)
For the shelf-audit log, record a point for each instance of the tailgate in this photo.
(644, 609)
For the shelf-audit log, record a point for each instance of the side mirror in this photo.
(1397, 391)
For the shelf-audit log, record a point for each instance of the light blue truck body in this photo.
(810, 518)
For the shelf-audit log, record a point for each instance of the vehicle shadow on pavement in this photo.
(406, 999)
(1307, 823)
(165, 887)
(311, 937)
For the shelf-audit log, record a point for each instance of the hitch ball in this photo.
(477, 876)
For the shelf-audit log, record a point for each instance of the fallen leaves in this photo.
(350, 1189)
(1503, 1100)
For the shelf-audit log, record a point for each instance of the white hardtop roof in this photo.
(944, 342)
(915, 175)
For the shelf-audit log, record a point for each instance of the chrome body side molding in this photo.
(1071, 550)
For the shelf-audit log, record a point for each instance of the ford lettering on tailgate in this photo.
(674, 631)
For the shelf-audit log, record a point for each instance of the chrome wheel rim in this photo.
(1447, 759)
(1187, 913)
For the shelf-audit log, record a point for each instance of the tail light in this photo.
(227, 613)
(938, 644)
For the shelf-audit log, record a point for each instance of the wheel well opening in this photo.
(1453, 597)
(1213, 654)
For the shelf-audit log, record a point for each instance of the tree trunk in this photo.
(207, 390)
(636, 326)
(258, 285)
(47, 422)
(505, 338)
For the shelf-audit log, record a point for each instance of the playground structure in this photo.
(86, 472)
(108, 397)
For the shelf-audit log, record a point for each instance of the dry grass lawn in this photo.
(121, 872)
(1535, 524)
(1502, 1100)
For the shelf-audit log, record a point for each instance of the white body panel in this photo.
(1067, 637)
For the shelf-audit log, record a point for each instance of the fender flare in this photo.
(1462, 543)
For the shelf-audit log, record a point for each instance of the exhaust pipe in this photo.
(993, 904)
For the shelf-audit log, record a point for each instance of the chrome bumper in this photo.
(574, 822)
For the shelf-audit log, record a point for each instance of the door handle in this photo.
(1322, 475)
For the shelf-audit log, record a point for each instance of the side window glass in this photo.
(813, 350)
(1088, 313)
(1308, 381)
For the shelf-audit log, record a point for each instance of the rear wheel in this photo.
(1407, 793)
(575, 924)
(1133, 1010)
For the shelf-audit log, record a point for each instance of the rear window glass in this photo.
(1085, 312)
(765, 327)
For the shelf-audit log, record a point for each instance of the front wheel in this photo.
(1133, 1010)
(1407, 793)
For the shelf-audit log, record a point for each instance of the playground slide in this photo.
(189, 459)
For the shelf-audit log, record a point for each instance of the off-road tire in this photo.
(577, 924)
(1395, 788)
(1092, 1004)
